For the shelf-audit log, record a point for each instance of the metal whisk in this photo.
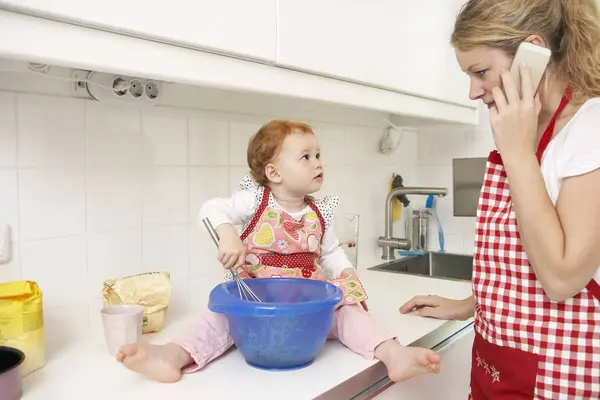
(243, 289)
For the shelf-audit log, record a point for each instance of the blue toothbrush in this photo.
(432, 203)
(407, 253)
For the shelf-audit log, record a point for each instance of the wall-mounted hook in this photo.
(391, 138)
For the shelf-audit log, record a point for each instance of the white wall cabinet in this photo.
(238, 27)
(432, 61)
(452, 383)
(364, 41)
(402, 45)
(390, 56)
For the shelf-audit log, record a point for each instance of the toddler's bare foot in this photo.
(406, 362)
(161, 363)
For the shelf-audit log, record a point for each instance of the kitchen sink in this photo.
(434, 264)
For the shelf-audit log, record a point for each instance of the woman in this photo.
(537, 244)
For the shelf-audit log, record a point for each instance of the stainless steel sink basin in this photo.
(434, 264)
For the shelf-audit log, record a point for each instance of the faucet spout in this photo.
(387, 242)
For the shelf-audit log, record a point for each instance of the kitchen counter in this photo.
(85, 370)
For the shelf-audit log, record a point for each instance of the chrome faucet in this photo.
(389, 243)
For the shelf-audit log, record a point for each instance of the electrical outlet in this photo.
(4, 243)
(136, 88)
(110, 88)
(152, 90)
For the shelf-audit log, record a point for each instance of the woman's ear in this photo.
(537, 40)
(272, 173)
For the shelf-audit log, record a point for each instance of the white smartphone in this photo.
(536, 58)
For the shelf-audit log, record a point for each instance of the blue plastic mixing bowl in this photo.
(288, 329)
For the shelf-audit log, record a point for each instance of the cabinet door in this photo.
(432, 61)
(401, 45)
(452, 383)
(240, 27)
(363, 41)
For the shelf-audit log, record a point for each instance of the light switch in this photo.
(4, 242)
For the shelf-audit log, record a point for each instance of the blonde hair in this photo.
(570, 29)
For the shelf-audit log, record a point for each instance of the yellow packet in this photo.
(151, 290)
(22, 322)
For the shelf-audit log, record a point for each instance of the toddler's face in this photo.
(299, 164)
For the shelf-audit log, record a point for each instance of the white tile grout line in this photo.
(189, 210)
(229, 141)
(142, 179)
(188, 164)
(17, 162)
(86, 187)
(85, 207)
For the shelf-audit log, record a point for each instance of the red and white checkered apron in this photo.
(526, 346)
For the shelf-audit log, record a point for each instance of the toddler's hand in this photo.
(232, 252)
(349, 273)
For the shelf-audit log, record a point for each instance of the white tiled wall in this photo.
(94, 190)
(437, 147)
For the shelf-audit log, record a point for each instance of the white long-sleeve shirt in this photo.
(240, 207)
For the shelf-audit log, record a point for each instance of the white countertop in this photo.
(85, 370)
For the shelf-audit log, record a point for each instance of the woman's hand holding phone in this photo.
(514, 117)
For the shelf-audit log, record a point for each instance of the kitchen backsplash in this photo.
(437, 147)
(94, 190)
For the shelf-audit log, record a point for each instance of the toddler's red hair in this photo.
(266, 144)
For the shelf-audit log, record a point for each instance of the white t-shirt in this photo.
(575, 150)
(240, 207)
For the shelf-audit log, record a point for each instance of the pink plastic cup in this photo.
(122, 325)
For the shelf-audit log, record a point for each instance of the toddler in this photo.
(286, 233)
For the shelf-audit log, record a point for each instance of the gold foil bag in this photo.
(22, 322)
(151, 290)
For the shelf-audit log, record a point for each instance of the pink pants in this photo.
(208, 337)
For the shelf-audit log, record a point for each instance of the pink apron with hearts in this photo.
(281, 247)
